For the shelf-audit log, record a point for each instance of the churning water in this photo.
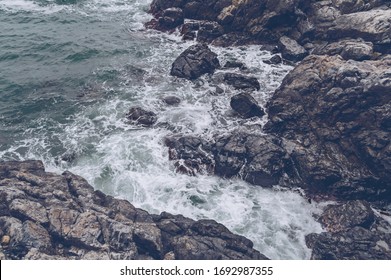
(70, 70)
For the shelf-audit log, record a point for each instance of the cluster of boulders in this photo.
(50, 216)
(328, 132)
(328, 129)
(295, 27)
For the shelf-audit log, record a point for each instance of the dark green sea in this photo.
(69, 72)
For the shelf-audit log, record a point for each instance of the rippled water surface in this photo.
(70, 70)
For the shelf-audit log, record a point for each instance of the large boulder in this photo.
(373, 26)
(258, 159)
(194, 62)
(67, 219)
(336, 113)
(354, 244)
(246, 106)
(291, 50)
(336, 218)
(354, 232)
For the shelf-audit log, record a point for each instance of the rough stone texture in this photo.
(259, 160)
(142, 117)
(337, 115)
(194, 62)
(337, 218)
(355, 232)
(246, 106)
(291, 50)
(348, 49)
(239, 81)
(67, 219)
(354, 244)
(267, 21)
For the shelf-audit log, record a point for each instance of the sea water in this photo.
(70, 70)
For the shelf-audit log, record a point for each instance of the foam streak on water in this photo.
(77, 113)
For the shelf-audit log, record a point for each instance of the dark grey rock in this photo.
(275, 59)
(348, 49)
(171, 100)
(291, 50)
(246, 106)
(336, 113)
(337, 218)
(194, 62)
(208, 31)
(81, 223)
(142, 117)
(239, 81)
(354, 244)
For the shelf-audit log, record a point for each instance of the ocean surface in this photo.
(69, 72)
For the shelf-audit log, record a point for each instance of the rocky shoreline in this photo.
(328, 133)
(50, 216)
(328, 129)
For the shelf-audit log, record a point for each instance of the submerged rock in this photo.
(75, 222)
(142, 117)
(171, 100)
(194, 62)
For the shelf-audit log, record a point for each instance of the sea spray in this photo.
(65, 103)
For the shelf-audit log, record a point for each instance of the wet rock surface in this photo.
(49, 216)
(353, 232)
(239, 81)
(194, 62)
(337, 113)
(258, 159)
(302, 21)
(246, 106)
(141, 116)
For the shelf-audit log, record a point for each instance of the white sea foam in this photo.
(132, 162)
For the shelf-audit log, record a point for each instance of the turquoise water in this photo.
(70, 70)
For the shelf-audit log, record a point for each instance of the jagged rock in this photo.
(142, 117)
(335, 111)
(171, 18)
(85, 224)
(206, 239)
(208, 31)
(192, 154)
(275, 59)
(194, 62)
(239, 81)
(337, 218)
(291, 50)
(354, 244)
(348, 49)
(373, 26)
(259, 160)
(246, 106)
